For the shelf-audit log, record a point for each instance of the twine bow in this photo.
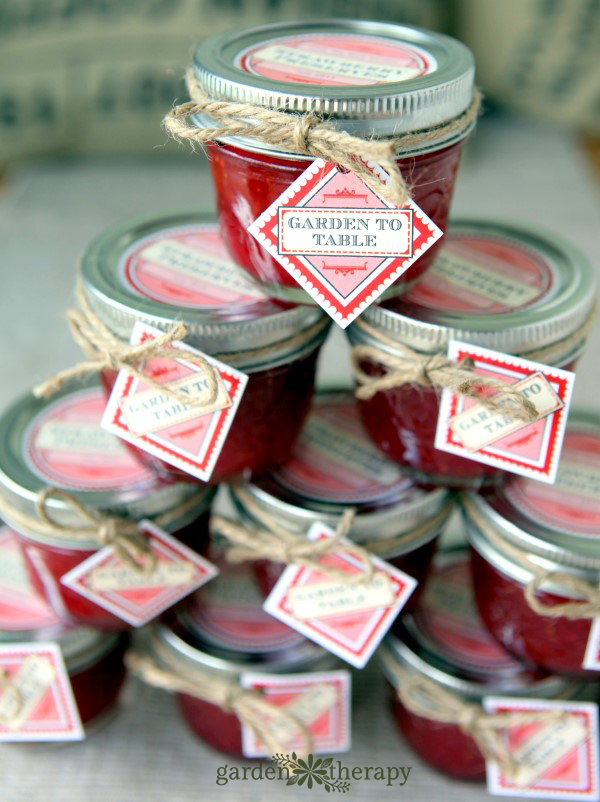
(270, 541)
(407, 366)
(426, 698)
(105, 351)
(308, 135)
(250, 707)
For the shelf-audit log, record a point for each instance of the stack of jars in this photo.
(300, 458)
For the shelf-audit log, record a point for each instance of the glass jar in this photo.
(175, 268)
(222, 630)
(59, 443)
(370, 79)
(446, 642)
(94, 660)
(334, 467)
(498, 285)
(525, 529)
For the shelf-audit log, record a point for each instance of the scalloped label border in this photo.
(534, 450)
(421, 231)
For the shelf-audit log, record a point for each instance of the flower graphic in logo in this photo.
(309, 770)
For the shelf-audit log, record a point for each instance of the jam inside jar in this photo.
(445, 642)
(527, 529)
(335, 467)
(222, 632)
(59, 443)
(370, 80)
(514, 290)
(176, 269)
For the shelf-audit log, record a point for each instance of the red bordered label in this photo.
(556, 759)
(163, 426)
(348, 619)
(37, 703)
(340, 240)
(467, 429)
(320, 701)
(135, 596)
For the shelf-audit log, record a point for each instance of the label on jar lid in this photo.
(228, 613)
(330, 59)
(348, 619)
(340, 240)
(334, 460)
(188, 436)
(189, 267)
(319, 700)
(448, 616)
(477, 273)
(139, 596)
(65, 446)
(36, 698)
(21, 608)
(572, 504)
(555, 759)
(468, 429)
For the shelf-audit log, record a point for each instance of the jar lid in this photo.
(493, 284)
(559, 523)
(22, 610)
(445, 639)
(334, 466)
(59, 443)
(175, 268)
(368, 78)
(223, 626)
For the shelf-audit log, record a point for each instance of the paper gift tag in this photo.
(340, 240)
(132, 595)
(184, 435)
(320, 700)
(592, 652)
(38, 703)
(346, 618)
(556, 760)
(466, 428)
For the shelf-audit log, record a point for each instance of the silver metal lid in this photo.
(560, 307)
(445, 640)
(555, 526)
(229, 635)
(311, 487)
(134, 493)
(367, 78)
(248, 321)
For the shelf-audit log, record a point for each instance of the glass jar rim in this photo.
(437, 93)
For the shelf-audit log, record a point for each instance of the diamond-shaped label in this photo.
(137, 596)
(188, 436)
(320, 701)
(348, 619)
(556, 759)
(340, 240)
(36, 698)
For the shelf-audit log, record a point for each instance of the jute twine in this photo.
(426, 698)
(105, 351)
(270, 541)
(589, 608)
(309, 135)
(249, 706)
(129, 543)
(7, 686)
(407, 366)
